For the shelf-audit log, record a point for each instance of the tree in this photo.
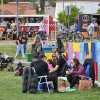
(63, 18)
(98, 11)
(5, 1)
(52, 2)
(41, 5)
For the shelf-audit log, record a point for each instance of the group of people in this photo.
(55, 67)
(8, 28)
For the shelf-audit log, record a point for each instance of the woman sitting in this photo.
(75, 74)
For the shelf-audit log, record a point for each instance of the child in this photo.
(19, 69)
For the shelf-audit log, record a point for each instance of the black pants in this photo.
(53, 77)
(73, 80)
(30, 80)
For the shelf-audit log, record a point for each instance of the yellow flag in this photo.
(76, 47)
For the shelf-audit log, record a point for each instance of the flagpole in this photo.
(17, 13)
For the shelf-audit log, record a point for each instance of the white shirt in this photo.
(42, 27)
(91, 28)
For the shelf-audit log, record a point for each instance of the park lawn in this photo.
(10, 89)
(8, 49)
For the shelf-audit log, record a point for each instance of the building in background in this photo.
(85, 6)
(25, 8)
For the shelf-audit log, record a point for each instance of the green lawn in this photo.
(8, 49)
(10, 89)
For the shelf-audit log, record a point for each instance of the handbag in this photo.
(62, 84)
(85, 84)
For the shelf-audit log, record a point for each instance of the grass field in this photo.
(8, 49)
(10, 89)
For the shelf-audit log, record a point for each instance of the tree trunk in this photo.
(42, 6)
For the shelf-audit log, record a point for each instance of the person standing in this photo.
(24, 41)
(20, 47)
(37, 46)
(91, 29)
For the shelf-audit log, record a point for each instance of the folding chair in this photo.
(45, 82)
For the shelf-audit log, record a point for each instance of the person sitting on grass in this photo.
(19, 69)
(75, 74)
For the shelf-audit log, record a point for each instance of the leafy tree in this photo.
(5, 1)
(42, 5)
(98, 11)
(63, 18)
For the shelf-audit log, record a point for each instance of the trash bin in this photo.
(29, 57)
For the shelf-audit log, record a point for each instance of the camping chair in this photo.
(0, 35)
(4, 37)
(48, 83)
(10, 36)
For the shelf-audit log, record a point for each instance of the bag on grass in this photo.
(85, 84)
(62, 84)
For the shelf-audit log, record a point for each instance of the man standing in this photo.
(91, 29)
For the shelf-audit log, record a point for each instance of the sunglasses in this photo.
(53, 56)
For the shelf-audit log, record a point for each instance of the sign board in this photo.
(84, 20)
